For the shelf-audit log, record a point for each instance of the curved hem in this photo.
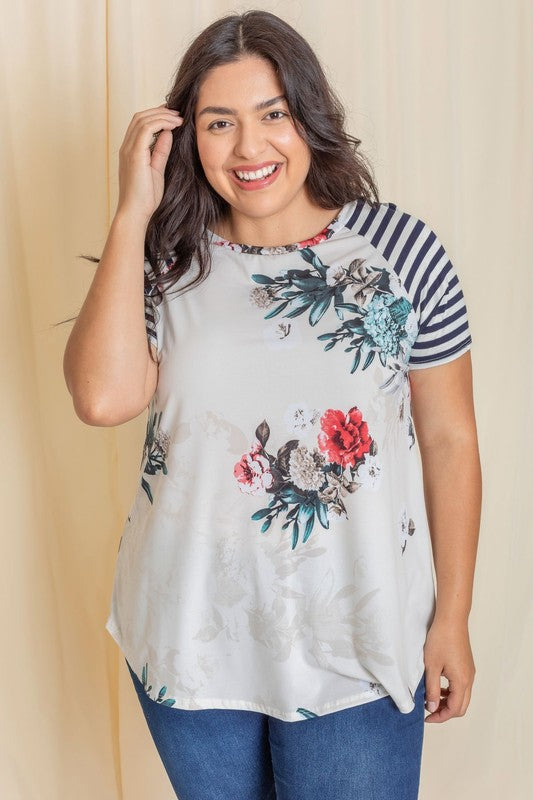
(207, 703)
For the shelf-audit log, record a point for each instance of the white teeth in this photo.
(254, 176)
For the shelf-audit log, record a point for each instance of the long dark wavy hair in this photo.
(177, 231)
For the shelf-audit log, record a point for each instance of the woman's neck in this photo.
(274, 231)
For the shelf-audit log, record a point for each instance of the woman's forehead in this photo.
(247, 82)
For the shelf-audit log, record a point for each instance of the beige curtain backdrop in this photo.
(440, 94)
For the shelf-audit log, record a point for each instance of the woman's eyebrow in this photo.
(233, 112)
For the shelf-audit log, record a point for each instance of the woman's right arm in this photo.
(107, 366)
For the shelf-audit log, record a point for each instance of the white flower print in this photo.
(335, 274)
(306, 467)
(406, 528)
(395, 284)
(369, 472)
(411, 327)
(299, 418)
(261, 297)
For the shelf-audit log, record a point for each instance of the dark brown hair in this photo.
(337, 175)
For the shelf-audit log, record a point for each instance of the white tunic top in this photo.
(277, 555)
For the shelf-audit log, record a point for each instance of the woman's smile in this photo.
(255, 181)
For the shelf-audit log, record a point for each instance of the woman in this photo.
(275, 566)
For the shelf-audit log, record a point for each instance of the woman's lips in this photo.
(250, 186)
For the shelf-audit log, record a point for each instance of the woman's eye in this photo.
(218, 122)
(214, 125)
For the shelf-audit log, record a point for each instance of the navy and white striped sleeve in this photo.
(152, 315)
(439, 303)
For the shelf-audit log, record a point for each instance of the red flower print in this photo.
(253, 471)
(344, 437)
(320, 237)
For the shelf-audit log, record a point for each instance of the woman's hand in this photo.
(447, 652)
(142, 170)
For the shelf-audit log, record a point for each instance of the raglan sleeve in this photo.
(153, 310)
(443, 332)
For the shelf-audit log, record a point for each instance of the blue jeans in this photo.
(368, 752)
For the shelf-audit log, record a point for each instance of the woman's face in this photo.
(232, 133)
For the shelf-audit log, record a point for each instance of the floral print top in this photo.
(277, 556)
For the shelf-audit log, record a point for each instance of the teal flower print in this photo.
(162, 692)
(366, 299)
(155, 451)
(384, 323)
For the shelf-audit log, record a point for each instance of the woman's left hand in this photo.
(447, 652)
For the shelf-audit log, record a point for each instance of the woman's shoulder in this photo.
(389, 225)
(389, 208)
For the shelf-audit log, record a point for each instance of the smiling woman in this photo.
(255, 158)
(275, 566)
(252, 94)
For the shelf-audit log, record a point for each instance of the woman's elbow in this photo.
(107, 414)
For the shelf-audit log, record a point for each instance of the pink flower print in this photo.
(253, 471)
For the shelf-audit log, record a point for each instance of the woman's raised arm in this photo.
(106, 359)
(107, 366)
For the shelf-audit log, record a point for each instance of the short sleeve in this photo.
(443, 326)
(153, 316)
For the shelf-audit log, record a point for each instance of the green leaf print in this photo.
(378, 318)
(161, 693)
(155, 451)
(306, 713)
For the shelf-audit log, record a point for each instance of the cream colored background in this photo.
(440, 94)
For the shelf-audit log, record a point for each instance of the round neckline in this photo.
(325, 233)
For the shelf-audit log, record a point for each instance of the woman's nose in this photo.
(250, 141)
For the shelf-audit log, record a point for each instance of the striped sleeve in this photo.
(419, 259)
(152, 315)
(439, 303)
